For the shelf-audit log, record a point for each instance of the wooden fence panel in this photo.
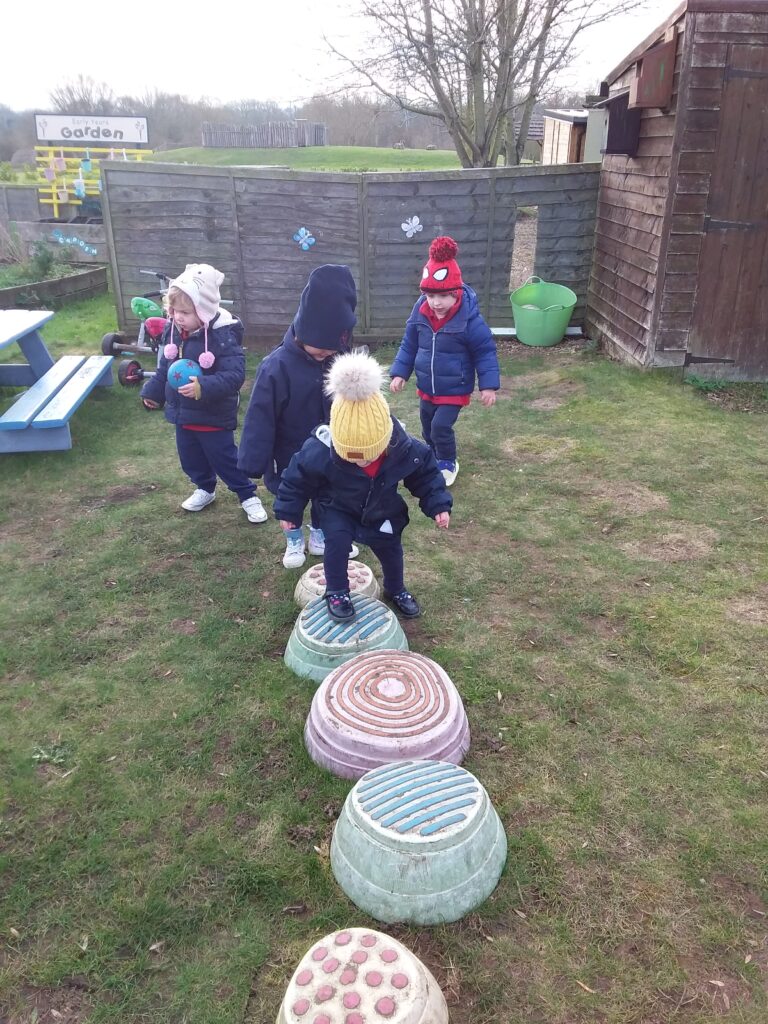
(266, 229)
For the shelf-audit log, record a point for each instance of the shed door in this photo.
(731, 312)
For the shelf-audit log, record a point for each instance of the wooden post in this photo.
(489, 242)
(362, 213)
(112, 254)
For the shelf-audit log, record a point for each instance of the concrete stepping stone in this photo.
(312, 583)
(320, 643)
(360, 976)
(418, 841)
(385, 706)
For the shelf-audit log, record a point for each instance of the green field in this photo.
(320, 158)
(600, 601)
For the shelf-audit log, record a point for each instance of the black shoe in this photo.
(405, 603)
(340, 605)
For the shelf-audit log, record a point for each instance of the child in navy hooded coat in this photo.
(287, 401)
(448, 343)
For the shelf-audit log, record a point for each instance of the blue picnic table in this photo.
(39, 418)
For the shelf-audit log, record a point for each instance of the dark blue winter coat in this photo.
(287, 403)
(446, 361)
(219, 385)
(338, 486)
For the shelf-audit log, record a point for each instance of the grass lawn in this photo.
(600, 600)
(321, 158)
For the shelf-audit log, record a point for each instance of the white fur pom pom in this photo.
(354, 376)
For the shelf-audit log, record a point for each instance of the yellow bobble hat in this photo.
(361, 426)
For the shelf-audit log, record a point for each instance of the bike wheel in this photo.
(112, 344)
(130, 373)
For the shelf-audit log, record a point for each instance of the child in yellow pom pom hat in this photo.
(352, 469)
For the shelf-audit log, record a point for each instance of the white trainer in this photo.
(294, 556)
(450, 471)
(197, 501)
(317, 543)
(254, 510)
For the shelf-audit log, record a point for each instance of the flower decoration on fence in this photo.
(412, 226)
(62, 239)
(305, 238)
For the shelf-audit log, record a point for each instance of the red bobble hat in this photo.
(442, 272)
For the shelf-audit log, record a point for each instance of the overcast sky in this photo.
(228, 50)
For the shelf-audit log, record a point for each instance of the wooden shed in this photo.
(680, 266)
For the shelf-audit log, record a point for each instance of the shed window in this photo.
(623, 130)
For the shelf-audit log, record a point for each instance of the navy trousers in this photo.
(207, 454)
(339, 532)
(437, 428)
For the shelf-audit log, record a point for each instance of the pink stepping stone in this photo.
(385, 706)
(312, 583)
(340, 994)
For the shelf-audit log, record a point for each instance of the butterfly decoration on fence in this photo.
(412, 226)
(305, 238)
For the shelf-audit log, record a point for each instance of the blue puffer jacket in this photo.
(219, 386)
(447, 360)
(339, 486)
(287, 403)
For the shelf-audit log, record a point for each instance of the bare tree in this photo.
(478, 66)
(83, 95)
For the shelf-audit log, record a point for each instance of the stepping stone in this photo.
(385, 706)
(418, 841)
(359, 976)
(312, 583)
(320, 643)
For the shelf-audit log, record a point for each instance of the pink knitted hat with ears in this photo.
(200, 282)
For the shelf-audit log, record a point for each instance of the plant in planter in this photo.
(44, 279)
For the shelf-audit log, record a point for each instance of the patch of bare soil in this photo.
(187, 627)
(752, 611)
(67, 1004)
(556, 396)
(628, 498)
(116, 496)
(685, 544)
(524, 381)
(537, 448)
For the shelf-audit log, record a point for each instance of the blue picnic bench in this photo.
(38, 420)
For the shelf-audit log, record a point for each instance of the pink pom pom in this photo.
(206, 360)
(170, 351)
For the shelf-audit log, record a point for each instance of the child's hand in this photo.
(397, 384)
(288, 526)
(149, 404)
(191, 390)
(488, 398)
(442, 519)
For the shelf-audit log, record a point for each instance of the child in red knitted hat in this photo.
(449, 345)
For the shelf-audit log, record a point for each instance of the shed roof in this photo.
(574, 116)
(694, 6)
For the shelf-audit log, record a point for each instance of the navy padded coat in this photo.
(448, 360)
(219, 385)
(339, 486)
(287, 403)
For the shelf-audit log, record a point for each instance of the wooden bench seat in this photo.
(39, 418)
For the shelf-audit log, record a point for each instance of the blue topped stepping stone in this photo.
(418, 841)
(320, 643)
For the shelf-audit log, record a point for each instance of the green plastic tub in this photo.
(542, 311)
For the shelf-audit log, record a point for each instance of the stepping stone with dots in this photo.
(358, 976)
(418, 841)
(385, 706)
(312, 583)
(319, 643)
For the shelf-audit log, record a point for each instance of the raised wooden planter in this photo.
(56, 292)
